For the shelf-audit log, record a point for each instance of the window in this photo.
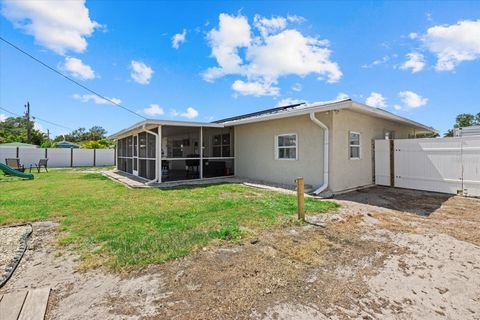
(354, 145)
(286, 147)
(389, 135)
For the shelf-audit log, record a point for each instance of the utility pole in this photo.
(48, 134)
(27, 117)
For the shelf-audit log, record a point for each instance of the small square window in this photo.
(286, 147)
(354, 145)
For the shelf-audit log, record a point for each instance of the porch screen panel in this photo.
(129, 146)
(150, 169)
(151, 146)
(142, 145)
(217, 143)
(142, 168)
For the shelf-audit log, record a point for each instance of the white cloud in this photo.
(154, 110)
(3, 117)
(57, 25)
(288, 102)
(190, 113)
(397, 107)
(297, 87)
(412, 100)
(453, 44)
(37, 126)
(415, 62)
(270, 53)
(255, 88)
(377, 62)
(268, 26)
(296, 19)
(233, 32)
(95, 99)
(376, 100)
(141, 73)
(342, 96)
(413, 35)
(174, 113)
(179, 38)
(78, 69)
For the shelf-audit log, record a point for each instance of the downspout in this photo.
(325, 153)
(156, 156)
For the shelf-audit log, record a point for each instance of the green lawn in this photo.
(124, 228)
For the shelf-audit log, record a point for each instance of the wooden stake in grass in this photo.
(300, 198)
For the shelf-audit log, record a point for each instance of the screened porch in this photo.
(186, 152)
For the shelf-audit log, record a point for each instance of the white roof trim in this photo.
(324, 107)
(154, 123)
(296, 112)
(360, 107)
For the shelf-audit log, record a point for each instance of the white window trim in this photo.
(277, 146)
(359, 145)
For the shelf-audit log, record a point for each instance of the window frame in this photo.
(359, 145)
(277, 147)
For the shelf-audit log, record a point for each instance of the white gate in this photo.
(450, 165)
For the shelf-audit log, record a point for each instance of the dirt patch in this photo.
(387, 253)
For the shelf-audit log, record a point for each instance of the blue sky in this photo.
(420, 60)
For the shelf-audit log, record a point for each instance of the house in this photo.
(67, 145)
(17, 145)
(329, 144)
(467, 131)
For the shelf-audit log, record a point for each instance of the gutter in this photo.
(156, 155)
(324, 186)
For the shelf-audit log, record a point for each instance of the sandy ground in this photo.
(387, 254)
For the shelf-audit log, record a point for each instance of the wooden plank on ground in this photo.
(11, 305)
(35, 305)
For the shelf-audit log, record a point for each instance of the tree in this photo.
(95, 133)
(100, 144)
(14, 129)
(464, 120)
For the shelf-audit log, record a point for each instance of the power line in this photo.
(12, 113)
(52, 123)
(37, 118)
(70, 79)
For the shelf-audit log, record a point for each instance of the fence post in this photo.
(46, 153)
(392, 163)
(18, 153)
(300, 198)
(94, 157)
(71, 157)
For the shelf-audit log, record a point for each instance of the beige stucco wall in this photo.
(346, 173)
(255, 150)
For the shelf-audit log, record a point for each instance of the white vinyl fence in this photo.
(450, 165)
(60, 158)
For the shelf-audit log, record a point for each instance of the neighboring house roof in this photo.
(301, 109)
(17, 144)
(66, 144)
(282, 112)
